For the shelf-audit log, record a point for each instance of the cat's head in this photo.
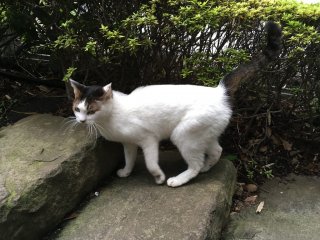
(90, 101)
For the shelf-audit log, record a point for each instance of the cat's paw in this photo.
(160, 179)
(174, 182)
(123, 172)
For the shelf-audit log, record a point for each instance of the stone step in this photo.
(135, 208)
(291, 211)
(45, 170)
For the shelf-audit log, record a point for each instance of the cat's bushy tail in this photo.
(273, 36)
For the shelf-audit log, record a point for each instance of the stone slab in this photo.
(135, 208)
(291, 211)
(45, 170)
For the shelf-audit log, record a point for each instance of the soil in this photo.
(19, 100)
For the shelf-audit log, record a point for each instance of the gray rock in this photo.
(135, 208)
(45, 170)
(291, 211)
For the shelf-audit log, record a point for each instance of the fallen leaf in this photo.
(294, 161)
(251, 200)
(17, 83)
(268, 165)
(71, 216)
(268, 132)
(286, 145)
(263, 149)
(275, 140)
(30, 93)
(43, 88)
(294, 153)
(260, 207)
(7, 97)
(238, 207)
(269, 118)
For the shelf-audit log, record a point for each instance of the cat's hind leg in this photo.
(150, 149)
(194, 159)
(130, 155)
(213, 155)
(192, 149)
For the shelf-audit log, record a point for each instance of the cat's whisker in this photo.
(70, 119)
(98, 127)
(68, 125)
(96, 131)
(89, 130)
(92, 133)
(66, 122)
(95, 134)
(72, 126)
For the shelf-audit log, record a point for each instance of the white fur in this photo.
(81, 116)
(193, 117)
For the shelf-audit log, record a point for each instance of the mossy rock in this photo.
(45, 171)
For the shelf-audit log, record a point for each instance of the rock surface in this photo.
(45, 171)
(135, 208)
(291, 211)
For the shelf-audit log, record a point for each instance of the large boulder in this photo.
(45, 170)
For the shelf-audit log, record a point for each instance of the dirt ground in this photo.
(19, 100)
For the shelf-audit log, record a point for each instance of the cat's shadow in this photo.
(172, 164)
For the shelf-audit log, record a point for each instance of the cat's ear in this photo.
(107, 91)
(77, 87)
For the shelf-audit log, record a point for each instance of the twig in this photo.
(19, 77)
(27, 113)
(260, 114)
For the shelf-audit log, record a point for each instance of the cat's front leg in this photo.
(130, 154)
(151, 154)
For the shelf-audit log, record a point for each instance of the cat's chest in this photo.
(119, 134)
(111, 135)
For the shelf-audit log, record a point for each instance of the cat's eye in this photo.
(77, 109)
(90, 112)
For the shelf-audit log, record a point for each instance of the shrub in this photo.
(134, 43)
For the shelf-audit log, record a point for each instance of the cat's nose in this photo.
(82, 121)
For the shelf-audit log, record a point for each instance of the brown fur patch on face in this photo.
(93, 107)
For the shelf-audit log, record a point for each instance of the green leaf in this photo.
(231, 157)
(69, 73)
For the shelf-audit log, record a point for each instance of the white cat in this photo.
(193, 117)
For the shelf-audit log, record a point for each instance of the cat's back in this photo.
(177, 93)
(160, 108)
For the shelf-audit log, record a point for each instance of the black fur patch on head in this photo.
(92, 93)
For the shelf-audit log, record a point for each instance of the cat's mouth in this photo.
(83, 121)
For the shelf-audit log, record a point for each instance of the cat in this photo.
(192, 117)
